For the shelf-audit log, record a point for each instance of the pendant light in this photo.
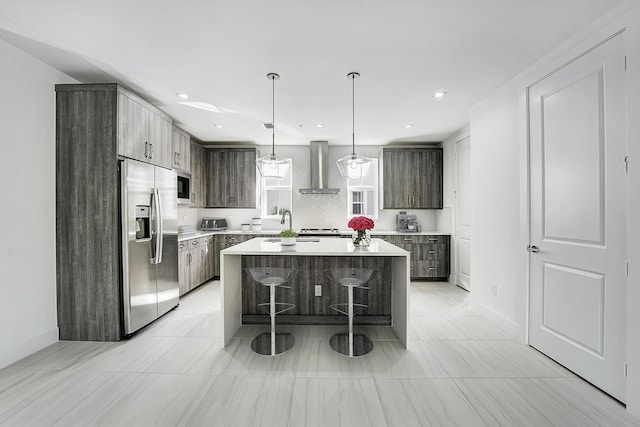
(353, 166)
(272, 166)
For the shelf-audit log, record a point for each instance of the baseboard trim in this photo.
(11, 354)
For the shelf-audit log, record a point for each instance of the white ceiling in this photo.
(220, 51)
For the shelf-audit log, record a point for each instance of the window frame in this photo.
(367, 191)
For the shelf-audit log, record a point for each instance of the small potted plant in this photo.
(288, 237)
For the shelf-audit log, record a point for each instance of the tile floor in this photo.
(462, 370)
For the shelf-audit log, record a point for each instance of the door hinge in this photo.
(625, 369)
(626, 164)
(627, 268)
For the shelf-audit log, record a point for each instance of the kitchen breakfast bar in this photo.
(385, 302)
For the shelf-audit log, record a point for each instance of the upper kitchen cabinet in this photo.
(198, 176)
(144, 132)
(181, 154)
(412, 178)
(231, 178)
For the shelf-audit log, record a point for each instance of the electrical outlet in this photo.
(494, 290)
(318, 290)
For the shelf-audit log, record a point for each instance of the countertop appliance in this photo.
(183, 190)
(406, 223)
(149, 243)
(213, 224)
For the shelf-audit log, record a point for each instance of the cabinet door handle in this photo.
(432, 252)
(150, 151)
(432, 268)
(433, 239)
(146, 149)
(407, 239)
(194, 243)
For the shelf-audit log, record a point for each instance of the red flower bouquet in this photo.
(360, 223)
(361, 226)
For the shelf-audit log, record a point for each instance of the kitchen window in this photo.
(276, 194)
(362, 194)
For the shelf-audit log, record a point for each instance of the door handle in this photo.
(533, 249)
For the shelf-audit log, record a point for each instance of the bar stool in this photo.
(272, 343)
(348, 343)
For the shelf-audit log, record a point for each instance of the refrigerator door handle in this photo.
(160, 228)
(155, 244)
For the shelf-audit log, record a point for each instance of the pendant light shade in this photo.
(353, 166)
(272, 166)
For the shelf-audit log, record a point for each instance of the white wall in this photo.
(27, 189)
(319, 210)
(500, 186)
(494, 200)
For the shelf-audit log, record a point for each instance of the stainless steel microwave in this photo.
(184, 188)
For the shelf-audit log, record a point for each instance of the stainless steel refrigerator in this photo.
(149, 243)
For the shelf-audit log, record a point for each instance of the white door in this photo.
(578, 216)
(463, 214)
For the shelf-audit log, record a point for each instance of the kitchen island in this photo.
(388, 296)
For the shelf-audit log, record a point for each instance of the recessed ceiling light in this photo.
(182, 95)
(319, 125)
(439, 95)
(408, 125)
(218, 125)
(200, 105)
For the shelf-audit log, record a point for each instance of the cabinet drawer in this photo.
(193, 243)
(429, 269)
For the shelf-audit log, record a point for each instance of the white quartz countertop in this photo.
(324, 246)
(200, 233)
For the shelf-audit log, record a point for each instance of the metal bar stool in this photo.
(348, 343)
(272, 343)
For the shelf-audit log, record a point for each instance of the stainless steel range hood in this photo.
(319, 169)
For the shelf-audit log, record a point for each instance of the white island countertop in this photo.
(318, 246)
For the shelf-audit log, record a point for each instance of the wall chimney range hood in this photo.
(319, 169)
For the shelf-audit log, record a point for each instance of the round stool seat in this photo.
(272, 343)
(348, 343)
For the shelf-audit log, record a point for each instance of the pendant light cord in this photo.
(273, 117)
(353, 115)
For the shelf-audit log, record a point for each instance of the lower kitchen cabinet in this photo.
(223, 241)
(195, 262)
(430, 254)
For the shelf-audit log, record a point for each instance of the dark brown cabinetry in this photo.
(231, 178)
(412, 178)
(198, 175)
(144, 132)
(181, 145)
(430, 254)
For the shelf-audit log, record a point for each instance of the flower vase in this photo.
(361, 239)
